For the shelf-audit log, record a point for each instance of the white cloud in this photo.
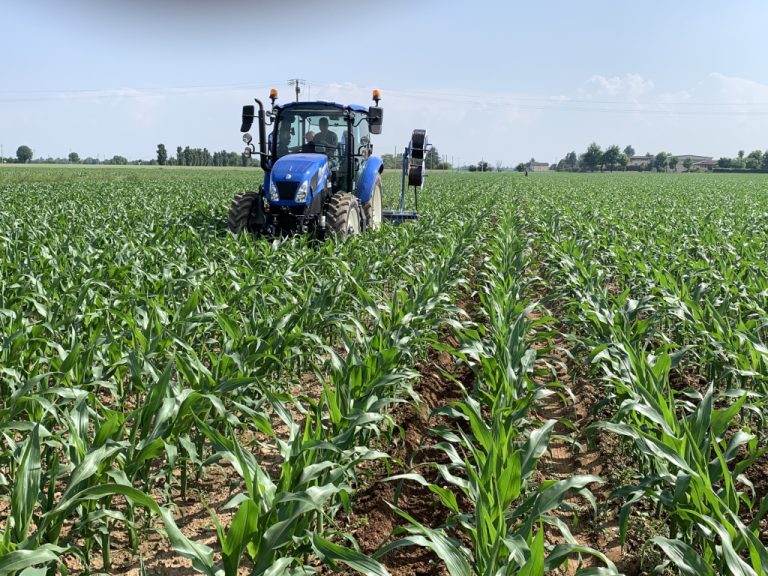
(734, 90)
(627, 88)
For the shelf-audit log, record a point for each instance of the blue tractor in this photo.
(320, 174)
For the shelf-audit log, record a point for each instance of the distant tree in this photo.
(179, 156)
(119, 160)
(741, 154)
(611, 157)
(24, 154)
(629, 151)
(432, 159)
(74, 158)
(764, 164)
(520, 167)
(472, 168)
(672, 162)
(483, 166)
(592, 158)
(687, 163)
(623, 160)
(391, 161)
(162, 154)
(725, 162)
(661, 161)
(752, 164)
(571, 161)
(754, 160)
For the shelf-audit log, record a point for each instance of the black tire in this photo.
(372, 208)
(418, 144)
(342, 215)
(416, 175)
(243, 212)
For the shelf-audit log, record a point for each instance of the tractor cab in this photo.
(339, 133)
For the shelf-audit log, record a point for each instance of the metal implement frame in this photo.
(401, 214)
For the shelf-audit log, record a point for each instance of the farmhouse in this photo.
(537, 166)
(707, 164)
(695, 160)
(641, 160)
(701, 162)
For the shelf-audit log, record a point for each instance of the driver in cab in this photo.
(326, 138)
(284, 139)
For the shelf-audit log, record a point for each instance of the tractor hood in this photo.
(289, 174)
(298, 167)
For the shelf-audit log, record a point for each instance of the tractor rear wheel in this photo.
(343, 214)
(242, 212)
(372, 208)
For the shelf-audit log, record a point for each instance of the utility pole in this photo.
(297, 83)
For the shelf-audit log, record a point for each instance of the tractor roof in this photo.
(322, 103)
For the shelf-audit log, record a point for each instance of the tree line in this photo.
(432, 160)
(184, 157)
(24, 155)
(755, 160)
(200, 157)
(595, 158)
(614, 158)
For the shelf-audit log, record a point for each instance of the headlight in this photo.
(273, 194)
(301, 195)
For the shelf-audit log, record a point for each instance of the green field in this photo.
(551, 374)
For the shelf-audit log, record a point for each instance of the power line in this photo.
(493, 100)
(86, 94)
(559, 99)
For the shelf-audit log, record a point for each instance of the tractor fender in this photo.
(371, 169)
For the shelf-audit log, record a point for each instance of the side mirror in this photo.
(375, 119)
(249, 112)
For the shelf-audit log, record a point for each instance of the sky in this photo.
(490, 80)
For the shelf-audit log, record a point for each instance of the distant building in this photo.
(641, 160)
(699, 161)
(537, 166)
(695, 161)
(707, 164)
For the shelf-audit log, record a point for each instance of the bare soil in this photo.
(372, 521)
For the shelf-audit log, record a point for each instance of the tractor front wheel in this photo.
(243, 212)
(372, 208)
(343, 214)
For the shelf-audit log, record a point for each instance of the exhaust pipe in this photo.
(248, 116)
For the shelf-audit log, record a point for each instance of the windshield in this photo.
(314, 129)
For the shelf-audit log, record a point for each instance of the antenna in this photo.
(297, 83)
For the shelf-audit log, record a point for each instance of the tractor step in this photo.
(399, 216)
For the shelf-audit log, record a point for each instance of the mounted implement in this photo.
(413, 174)
(320, 174)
